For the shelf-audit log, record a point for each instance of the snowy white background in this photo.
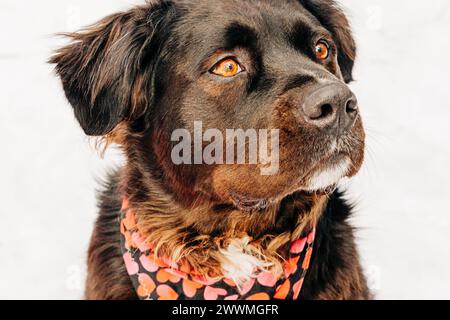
(48, 169)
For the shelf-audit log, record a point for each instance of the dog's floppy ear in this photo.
(104, 68)
(331, 16)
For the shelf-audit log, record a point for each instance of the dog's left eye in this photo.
(228, 67)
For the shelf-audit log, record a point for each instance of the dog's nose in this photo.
(332, 107)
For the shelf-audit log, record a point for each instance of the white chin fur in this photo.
(330, 176)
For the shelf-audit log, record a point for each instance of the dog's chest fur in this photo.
(334, 273)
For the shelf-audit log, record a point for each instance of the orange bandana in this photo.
(160, 279)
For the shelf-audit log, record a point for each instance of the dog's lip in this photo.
(248, 204)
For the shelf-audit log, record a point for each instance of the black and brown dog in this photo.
(135, 77)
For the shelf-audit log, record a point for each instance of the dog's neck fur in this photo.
(219, 242)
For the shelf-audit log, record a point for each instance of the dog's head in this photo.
(240, 64)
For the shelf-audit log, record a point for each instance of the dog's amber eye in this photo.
(227, 68)
(322, 50)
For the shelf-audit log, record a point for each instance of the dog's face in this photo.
(237, 64)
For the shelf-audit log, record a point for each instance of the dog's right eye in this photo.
(322, 50)
(227, 68)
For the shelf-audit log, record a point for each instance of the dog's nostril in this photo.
(324, 111)
(351, 106)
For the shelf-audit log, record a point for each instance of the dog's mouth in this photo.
(248, 204)
(322, 180)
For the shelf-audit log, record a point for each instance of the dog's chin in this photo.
(327, 178)
(323, 179)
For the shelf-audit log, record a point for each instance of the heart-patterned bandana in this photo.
(160, 279)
